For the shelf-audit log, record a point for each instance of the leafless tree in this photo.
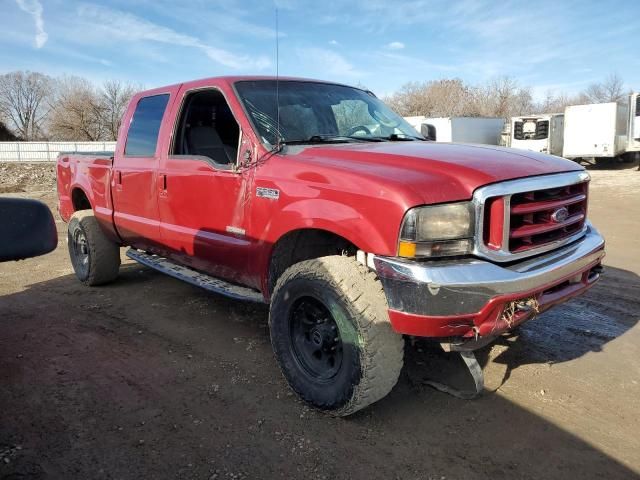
(609, 90)
(448, 97)
(24, 102)
(557, 102)
(502, 97)
(115, 97)
(77, 111)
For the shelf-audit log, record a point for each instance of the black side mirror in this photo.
(428, 131)
(27, 229)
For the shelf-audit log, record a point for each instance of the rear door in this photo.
(135, 173)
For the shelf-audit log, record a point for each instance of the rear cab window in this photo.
(142, 138)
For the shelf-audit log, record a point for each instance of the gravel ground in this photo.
(27, 177)
(153, 378)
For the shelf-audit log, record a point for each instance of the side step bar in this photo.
(193, 277)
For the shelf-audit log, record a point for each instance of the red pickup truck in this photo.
(316, 198)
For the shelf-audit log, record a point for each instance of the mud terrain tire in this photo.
(311, 300)
(94, 257)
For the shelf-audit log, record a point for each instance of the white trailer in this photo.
(633, 142)
(596, 131)
(538, 133)
(459, 129)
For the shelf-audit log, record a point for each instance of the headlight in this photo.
(437, 231)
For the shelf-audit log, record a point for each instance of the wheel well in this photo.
(80, 200)
(305, 244)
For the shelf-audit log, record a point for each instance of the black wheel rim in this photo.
(315, 339)
(81, 252)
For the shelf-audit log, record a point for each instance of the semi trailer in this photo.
(538, 133)
(633, 141)
(596, 132)
(483, 130)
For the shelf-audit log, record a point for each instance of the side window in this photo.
(142, 137)
(207, 128)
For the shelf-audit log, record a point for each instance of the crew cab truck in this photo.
(322, 202)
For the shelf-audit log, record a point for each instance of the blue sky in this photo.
(552, 45)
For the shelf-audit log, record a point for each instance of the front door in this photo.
(201, 195)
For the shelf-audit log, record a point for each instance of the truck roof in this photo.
(540, 115)
(231, 79)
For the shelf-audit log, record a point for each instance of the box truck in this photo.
(539, 133)
(459, 129)
(596, 131)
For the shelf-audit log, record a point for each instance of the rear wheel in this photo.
(94, 257)
(331, 334)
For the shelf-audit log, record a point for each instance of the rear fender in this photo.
(99, 196)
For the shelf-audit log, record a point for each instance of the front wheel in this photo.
(331, 334)
(94, 257)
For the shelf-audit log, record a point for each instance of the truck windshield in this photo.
(313, 112)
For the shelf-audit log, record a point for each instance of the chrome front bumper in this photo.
(447, 288)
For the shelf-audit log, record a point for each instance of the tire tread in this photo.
(381, 348)
(105, 254)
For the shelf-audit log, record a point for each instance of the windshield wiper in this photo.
(401, 137)
(332, 139)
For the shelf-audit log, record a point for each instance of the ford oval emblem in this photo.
(560, 215)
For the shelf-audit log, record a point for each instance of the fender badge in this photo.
(270, 193)
(235, 230)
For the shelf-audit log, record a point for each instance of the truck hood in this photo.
(436, 172)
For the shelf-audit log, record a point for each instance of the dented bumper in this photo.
(473, 298)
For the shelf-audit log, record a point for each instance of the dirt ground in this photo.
(153, 378)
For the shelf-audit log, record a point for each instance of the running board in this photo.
(194, 277)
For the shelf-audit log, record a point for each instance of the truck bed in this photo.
(100, 154)
(84, 182)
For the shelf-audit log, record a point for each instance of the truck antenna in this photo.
(278, 137)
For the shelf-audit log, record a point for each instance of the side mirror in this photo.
(27, 229)
(428, 131)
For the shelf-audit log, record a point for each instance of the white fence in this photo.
(48, 151)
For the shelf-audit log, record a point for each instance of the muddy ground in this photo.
(153, 378)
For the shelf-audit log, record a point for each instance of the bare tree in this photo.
(609, 90)
(115, 97)
(77, 111)
(556, 103)
(448, 97)
(502, 97)
(23, 102)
